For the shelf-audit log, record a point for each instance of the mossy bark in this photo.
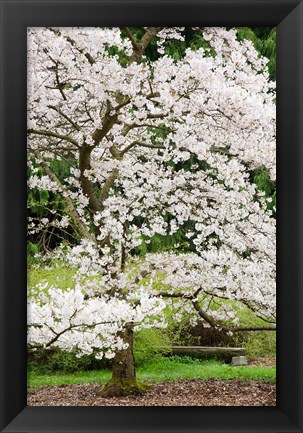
(123, 381)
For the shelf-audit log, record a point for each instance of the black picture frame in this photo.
(16, 16)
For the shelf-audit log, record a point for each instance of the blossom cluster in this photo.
(70, 320)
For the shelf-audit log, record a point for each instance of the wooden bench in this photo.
(225, 353)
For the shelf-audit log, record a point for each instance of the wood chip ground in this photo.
(194, 392)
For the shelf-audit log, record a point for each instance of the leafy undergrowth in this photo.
(160, 370)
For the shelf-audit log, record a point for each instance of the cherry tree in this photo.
(153, 146)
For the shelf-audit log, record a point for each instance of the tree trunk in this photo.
(123, 381)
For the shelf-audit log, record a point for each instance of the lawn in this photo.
(160, 370)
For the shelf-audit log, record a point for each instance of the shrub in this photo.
(258, 344)
(149, 343)
(56, 360)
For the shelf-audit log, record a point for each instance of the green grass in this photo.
(160, 370)
(35, 379)
(56, 274)
(177, 368)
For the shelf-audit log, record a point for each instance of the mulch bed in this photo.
(194, 392)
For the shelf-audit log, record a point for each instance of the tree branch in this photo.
(86, 183)
(108, 184)
(209, 319)
(156, 116)
(73, 43)
(131, 37)
(142, 144)
(108, 122)
(140, 47)
(58, 335)
(148, 36)
(53, 134)
(52, 107)
(128, 127)
(69, 204)
(213, 324)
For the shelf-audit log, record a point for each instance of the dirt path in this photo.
(176, 393)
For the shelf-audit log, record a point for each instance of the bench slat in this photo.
(225, 353)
